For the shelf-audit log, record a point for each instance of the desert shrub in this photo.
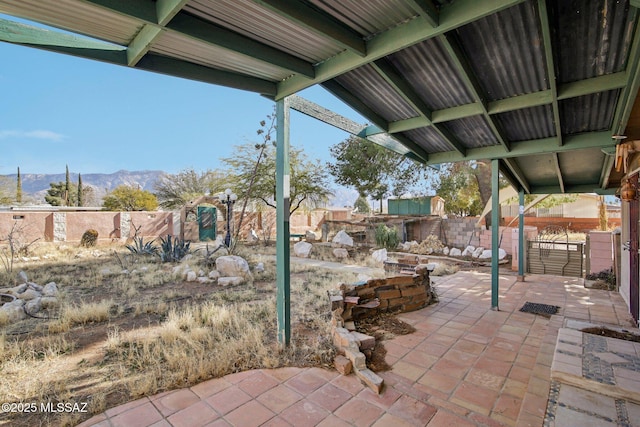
(140, 247)
(387, 237)
(174, 250)
(89, 238)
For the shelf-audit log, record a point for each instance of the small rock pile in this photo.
(230, 270)
(27, 298)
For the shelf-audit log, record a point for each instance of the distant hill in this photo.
(36, 185)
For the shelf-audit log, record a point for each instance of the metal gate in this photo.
(552, 253)
(207, 217)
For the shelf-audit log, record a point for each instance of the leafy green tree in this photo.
(373, 170)
(174, 190)
(67, 189)
(458, 186)
(361, 205)
(126, 198)
(59, 194)
(19, 188)
(309, 183)
(7, 195)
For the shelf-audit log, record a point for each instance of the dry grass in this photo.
(117, 336)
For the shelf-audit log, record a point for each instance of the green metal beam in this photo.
(526, 148)
(227, 39)
(472, 84)
(551, 69)
(518, 174)
(556, 163)
(459, 112)
(630, 92)
(141, 44)
(283, 271)
(521, 235)
(573, 189)
(607, 167)
(28, 35)
(174, 67)
(593, 85)
(426, 10)
(529, 100)
(310, 18)
(452, 16)
(404, 89)
(495, 232)
(167, 9)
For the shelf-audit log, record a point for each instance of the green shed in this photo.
(419, 206)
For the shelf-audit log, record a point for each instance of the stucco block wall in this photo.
(601, 251)
(105, 223)
(152, 224)
(32, 225)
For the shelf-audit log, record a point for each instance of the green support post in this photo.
(521, 235)
(283, 173)
(495, 232)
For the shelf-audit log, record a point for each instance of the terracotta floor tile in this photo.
(306, 382)
(447, 419)
(251, 414)
(388, 420)
(515, 388)
(414, 411)
(432, 349)
(210, 387)
(125, 407)
(384, 400)
(219, 423)
(283, 374)
(460, 357)
(279, 398)
(141, 415)
(408, 370)
(476, 398)
(333, 421)
(451, 369)
(304, 414)
(438, 381)
(350, 384)
(199, 414)
(329, 397)
(420, 358)
(175, 401)
(485, 379)
(257, 384)
(496, 367)
(359, 412)
(228, 399)
(508, 407)
(277, 421)
(469, 347)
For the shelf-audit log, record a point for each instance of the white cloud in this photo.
(36, 134)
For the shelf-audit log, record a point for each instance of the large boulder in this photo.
(13, 311)
(232, 266)
(302, 249)
(342, 238)
(455, 252)
(230, 281)
(380, 255)
(22, 278)
(468, 251)
(50, 290)
(310, 236)
(488, 254)
(477, 252)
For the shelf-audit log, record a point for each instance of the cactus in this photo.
(89, 238)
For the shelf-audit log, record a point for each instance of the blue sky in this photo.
(59, 110)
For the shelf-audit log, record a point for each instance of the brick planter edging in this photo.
(367, 299)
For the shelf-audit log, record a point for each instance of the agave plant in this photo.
(140, 247)
(173, 250)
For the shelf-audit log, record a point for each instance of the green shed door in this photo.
(207, 216)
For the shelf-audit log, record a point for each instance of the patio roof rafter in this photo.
(556, 163)
(414, 31)
(427, 10)
(402, 87)
(311, 19)
(472, 84)
(518, 174)
(167, 16)
(551, 70)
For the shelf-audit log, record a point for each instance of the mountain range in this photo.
(36, 185)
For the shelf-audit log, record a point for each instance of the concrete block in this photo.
(343, 365)
(369, 378)
(365, 341)
(356, 357)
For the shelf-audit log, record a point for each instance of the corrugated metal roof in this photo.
(175, 45)
(588, 113)
(539, 169)
(593, 37)
(429, 139)
(573, 171)
(372, 88)
(491, 45)
(81, 18)
(528, 123)
(367, 17)
(429, 69)
(248, 18)
(472, 132)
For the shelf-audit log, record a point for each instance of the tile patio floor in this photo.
(464, 366)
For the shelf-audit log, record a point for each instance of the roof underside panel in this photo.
(376, 92)
(593, 37)
(573, 170)
(528, 123)
(505, 50)
(539, 169)
(369, 17)
(176, 45)
(88, 20)
(429, 69)
(589, 113)
(428, 138)
(249, 19)
(472, 132)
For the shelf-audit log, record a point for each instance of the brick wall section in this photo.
(460, 232)
(393, 294)
(601, 251)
